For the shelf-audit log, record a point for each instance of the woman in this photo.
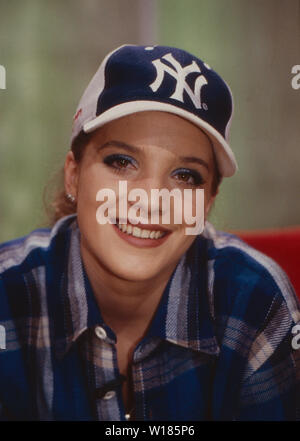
(142, 321)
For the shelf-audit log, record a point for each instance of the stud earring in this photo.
(70, 197)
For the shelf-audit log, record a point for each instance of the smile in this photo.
(139, 232)
(140, 236)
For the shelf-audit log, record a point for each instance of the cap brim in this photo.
(225, 157)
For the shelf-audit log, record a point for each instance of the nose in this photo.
(156, 205)
(146, 187)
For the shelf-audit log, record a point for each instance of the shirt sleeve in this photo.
(270, 388)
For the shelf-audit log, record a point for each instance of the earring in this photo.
(70, 197)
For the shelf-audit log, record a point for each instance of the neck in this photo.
(126, 306)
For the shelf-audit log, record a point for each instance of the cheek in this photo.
(89, 183)
(194, 205)
(127, 261)
(207, 197)
(91, 180)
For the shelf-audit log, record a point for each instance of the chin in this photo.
(134, 272)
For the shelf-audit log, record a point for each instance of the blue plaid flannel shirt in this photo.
(218, 348)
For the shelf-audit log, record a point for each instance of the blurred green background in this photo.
(51, 49)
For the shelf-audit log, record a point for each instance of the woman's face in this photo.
(146, 150)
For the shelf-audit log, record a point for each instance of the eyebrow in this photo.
(133, 149)
(120, 144)
(194, 160)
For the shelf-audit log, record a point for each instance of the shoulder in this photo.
(30, 249)
(256, 310)
(241, 273)
(28, 263)
(14, 252)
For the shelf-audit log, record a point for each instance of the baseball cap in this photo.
(135, 78)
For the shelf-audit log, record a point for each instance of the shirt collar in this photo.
(183, 317)
(78, 310)
(185, 313)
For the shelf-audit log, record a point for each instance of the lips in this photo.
(142, 235)
(150, 227)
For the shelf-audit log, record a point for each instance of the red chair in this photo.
(282, 245)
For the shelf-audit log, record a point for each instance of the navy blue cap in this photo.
(141, 78)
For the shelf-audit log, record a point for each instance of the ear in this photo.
(71, 173)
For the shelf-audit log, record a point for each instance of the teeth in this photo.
(136, 232)
(145, 234)
(139, 232)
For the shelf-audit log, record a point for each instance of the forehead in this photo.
(156, 130)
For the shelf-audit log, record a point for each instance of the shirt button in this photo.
(100, 332)
(110, 394)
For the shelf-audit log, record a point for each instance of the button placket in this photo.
(100, 332)
(105, 359)
(109, 394)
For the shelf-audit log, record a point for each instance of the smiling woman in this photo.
(153, 135)
(139, 320)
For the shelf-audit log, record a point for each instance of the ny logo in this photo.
(179, 73)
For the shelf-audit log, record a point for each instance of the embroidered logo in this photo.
(77, 114)
(179, 73)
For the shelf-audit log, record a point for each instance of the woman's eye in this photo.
(184, 177)
(190, 177)
(119, 162)
(122, 162)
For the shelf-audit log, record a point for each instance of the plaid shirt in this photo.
(218, 348)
